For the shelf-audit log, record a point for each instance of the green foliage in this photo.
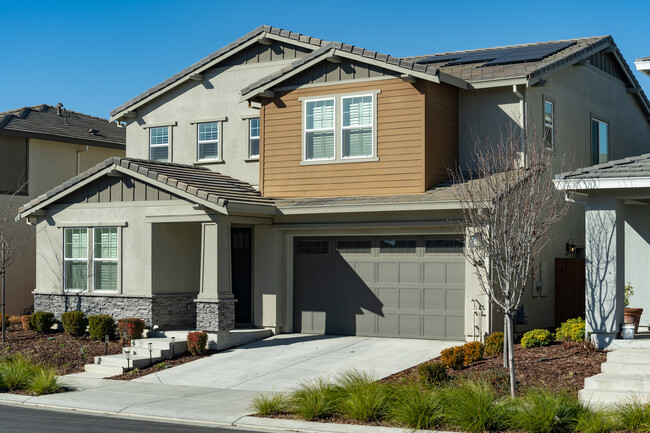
(634, 416)
(594, 421)
(629, 292)
(161, 365)
(571, 330)
(197, 342)
(536, 338)
(453, 357)
(101, 325)
(74, 322)
(315, 400)
(494, 344)
(41, 321)
(44, 381)
(473, 407)
(415, 408)
(16, 372)
(497, 379)
(432, 374)
(362, 398)
(472, 352)
(274, 404)
(543, 411)
(132, 327)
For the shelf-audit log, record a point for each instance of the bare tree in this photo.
(509, 203)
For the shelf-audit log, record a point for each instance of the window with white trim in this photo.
(208, 141)
(599, 141)
(339, 128)
(159, 143)
(105, 259)
(549, 118)
(75, 258)
(254, 137)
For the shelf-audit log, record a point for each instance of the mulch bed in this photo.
(168, 363)
(56, 348)
(557, 367)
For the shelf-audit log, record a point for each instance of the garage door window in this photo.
(312, 247)
(444, 246)
(353, 247)
(398, 246)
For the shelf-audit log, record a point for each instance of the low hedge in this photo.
(101, 325)
(571, 330)
(41, 321)
(432, 373)
(494, 344)
(132, 327)
(197, 342)
(453, 357)
(536, 338)
(74, 322)
(26, 322)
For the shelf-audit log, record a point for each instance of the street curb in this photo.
(321, 427)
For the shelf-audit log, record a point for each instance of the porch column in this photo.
(604, 252)
(215, 304)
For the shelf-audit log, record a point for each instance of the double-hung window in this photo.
(549, 118)
(105, 259)
(91, 259)
(254, 137)
(159, 143)
(340, 128)
(599, 141)
(208, 141)
(75, 266)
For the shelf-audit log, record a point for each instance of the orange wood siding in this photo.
(400, 146)
(441, 151)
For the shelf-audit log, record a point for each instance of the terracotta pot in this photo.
(633, 315)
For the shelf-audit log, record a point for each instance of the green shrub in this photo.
(274, 404)
(362, 398)
(594, 421)
(74, 322)
(132, 327)
(101, 325)
(432, 373)
(497, 379)
(453, 357)
(197, 342)
(315, 400)
(543, 411)
(571, 330)
(415, 408)
(472, 352)
(44, 381)
(634, 416)
(42, 321)
(16, 372)
(536, 338)
(472, 407)
(494, 344)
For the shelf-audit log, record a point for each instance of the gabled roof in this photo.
(42, 121)
(205, 63)
(620, 173)
(197, 184)
(643, 65)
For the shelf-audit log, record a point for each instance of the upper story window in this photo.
(254, 137)
(599, 141)
(208, 141)
(340, 128)
(159, 143)
(549, 119)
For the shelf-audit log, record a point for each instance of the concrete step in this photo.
(599, 397)
(180, 346)
(139, 360)
(101, 371)
(629, 356)
(625, 368)
(618, 382)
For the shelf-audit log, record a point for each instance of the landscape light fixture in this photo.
(127, 353)
(150, 344)
(173, 341)
(106, 338)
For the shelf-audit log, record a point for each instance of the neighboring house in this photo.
(41, 147)
(317, 199)
(643, 65)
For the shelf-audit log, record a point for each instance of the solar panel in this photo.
(530, 54)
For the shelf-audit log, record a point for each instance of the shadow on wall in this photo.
(601, 291)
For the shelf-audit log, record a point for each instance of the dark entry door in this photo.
(241, 273)
(569, 289)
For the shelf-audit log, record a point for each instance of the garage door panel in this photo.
(435, 299)
(388, 296)
(366, 323)
(409, 272)
(410, 325)
(388, 272)
(410, 298)
(365, 271)
(454, 325)
(435, 326)
(455, 273)
(455, 300)
(434, 272)
(388, 325)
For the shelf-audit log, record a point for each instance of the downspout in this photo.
(79, 158)
(522, 118)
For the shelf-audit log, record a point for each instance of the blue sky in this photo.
(94, 55)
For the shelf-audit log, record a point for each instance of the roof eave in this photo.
(582, 184)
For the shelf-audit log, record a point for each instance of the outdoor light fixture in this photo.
(173, 340)
(150, 344)
(476, 240)
(106, 343)
(127, 353)
(570, 248)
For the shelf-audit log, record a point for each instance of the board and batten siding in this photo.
(401, 108)
(441, 150)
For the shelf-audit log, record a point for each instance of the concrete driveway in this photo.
(281, 362)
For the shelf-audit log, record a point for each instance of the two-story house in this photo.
(41, 147)
(300, 185)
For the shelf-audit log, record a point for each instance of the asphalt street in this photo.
(22, 419)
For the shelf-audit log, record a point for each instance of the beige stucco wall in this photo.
(217, 96)
(50, 164)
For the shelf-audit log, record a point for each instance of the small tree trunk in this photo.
(511, 353)
(505, 341)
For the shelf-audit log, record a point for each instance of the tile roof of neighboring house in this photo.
(261, 29)
(200, 182)
(42, 121)
(632, 167)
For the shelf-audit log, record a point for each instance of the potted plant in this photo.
(631, 315)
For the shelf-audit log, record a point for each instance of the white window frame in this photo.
(305, 131)
(251, 137)
(168, 145)
(600, 120)
(552, 123)
(338, 128)
(66, 259)
(95, 260)
(219, 142)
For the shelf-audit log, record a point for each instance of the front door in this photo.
(241, 274)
